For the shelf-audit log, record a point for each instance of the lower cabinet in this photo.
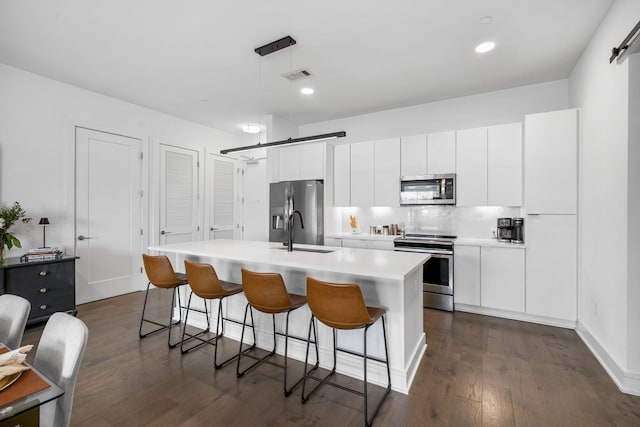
(385, 245)
(491, 277)
(49, 285)
(552, 287)
(330, 241)
(502, 277)
(466, 275)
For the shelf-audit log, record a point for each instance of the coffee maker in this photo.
(505, 229)
(518, 230)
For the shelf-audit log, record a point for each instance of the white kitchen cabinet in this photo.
(385, 245)
(441, 152)
(352, 243)
(330, 241)
(466, 273)
(504, 168)
(550, 162)
(551, 266)
(342, 175)
(387, 172)
(288, 165)
(471, 167)
(413, 155)
(300, 162)
(502, 278)
(362, 174)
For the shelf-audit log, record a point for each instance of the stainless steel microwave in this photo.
(428, 189)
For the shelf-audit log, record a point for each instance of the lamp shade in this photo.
(44, 221)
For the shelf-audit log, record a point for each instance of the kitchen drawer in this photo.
(49, 286)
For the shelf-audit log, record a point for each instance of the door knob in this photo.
(81, 237)
(165, 232)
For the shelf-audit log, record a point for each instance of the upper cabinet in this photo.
(413, 155)
(489, 166)
(386, 184)
(504, 159)
(367, 173)
(550, 158)
(362, 174)
(430, 154)
(300, 162)
(471, 167)
(441, 152)
(342, 175)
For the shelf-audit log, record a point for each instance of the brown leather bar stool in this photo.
(161, 275)
(341, 306)
(204, 282)
(267, 293)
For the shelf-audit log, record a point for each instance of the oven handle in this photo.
(434, 252)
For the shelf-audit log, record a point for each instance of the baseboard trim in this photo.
(514, 315)
(627, 382)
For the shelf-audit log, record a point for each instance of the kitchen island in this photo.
(392, 280)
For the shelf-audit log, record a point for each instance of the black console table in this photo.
(50, 286)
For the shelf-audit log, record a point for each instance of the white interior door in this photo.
(221, 200)
(255, 209)
(108, 217)
(178, 194)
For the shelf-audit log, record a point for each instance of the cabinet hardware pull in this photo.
(43, 290)
(43, 273)
(43, 307)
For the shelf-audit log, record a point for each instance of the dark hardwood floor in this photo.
(477, 371)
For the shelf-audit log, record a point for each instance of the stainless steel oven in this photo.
(437, 272)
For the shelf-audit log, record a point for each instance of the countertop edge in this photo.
(488, 243)
(399, 277)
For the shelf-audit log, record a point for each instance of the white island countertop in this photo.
(360, 262)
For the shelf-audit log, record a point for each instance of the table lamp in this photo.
(44, 222)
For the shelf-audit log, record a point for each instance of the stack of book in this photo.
(41, 254)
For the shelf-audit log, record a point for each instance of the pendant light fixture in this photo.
(267, 49)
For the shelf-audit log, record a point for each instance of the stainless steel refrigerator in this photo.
(306, 197)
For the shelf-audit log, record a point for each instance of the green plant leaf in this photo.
(10, 240)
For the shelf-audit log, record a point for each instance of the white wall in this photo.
(36, 144)
(601, 90)
(486, 109)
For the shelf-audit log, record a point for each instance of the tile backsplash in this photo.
(468, 222)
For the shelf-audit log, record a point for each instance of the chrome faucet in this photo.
(289, 213)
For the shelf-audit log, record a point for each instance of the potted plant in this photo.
(8, 217)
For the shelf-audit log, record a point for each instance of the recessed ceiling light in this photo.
(485, 47)
(251, 128)
(486, 19)
(306, 91)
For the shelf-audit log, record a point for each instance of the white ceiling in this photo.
(364, 55)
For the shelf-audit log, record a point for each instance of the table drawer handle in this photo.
(43, 307)
(43, 273)
(43, 290)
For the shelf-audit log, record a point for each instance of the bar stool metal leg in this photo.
(240, 351)
(368, 420)
(162, 326)
(265, 359)
(288, 391)
(196, 336)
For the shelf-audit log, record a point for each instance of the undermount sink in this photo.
(319, 251)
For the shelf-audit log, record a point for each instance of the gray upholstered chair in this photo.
(58, 357)
(14, 311)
